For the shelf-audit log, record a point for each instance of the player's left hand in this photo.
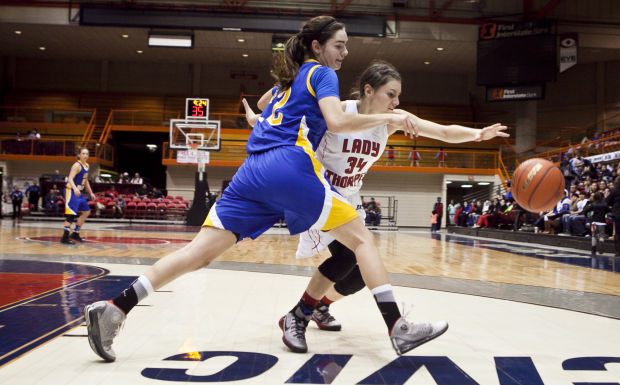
(250, 116)
(491, 132)
(93, 197)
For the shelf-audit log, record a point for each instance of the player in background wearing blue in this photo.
(76, 205)
(347, 157)
(281, 178)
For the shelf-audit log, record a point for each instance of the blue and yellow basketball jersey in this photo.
(81, 177)
(295, 109)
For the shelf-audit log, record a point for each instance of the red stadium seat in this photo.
(161, 210)
(130, 210)
(140, 210)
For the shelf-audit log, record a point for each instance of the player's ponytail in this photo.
(299, 48)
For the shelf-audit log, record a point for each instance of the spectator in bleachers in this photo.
(566, 217)
(391, 155)
(373, 213)
(451, 211)
(550, 222)
(49, 203)
(464, 214)
(143, 191)
(124, 178)
(111, 192)
(156, 194)
(599, 208)
(119, 206)
(414, 157)
(33, 193)
(576, 220)
(136, 179)
(487, 219)
(441, 157)
(475, 213)
(508, 194)
(17, 198)
(56, 177)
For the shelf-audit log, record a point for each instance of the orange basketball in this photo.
(537, 185)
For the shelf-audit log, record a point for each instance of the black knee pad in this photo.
(352, 283)
(70, 218)
(339, 264)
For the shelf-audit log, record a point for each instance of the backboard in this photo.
(184, 133)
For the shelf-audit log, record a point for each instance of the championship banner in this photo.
(568, 50)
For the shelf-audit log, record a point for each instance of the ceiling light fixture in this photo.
(466, 186)
(427, 62)
(158, 39)
(139, 51)
(440, 48)
(41, 48)
(484, 183)
(124, 36)
(245, 55)
(240, 40)
(17, 32)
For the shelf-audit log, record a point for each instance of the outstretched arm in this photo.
(250, 116)
(452, 133)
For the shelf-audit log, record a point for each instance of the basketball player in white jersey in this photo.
(346, 159)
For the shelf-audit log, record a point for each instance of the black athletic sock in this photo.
(126, 300)
(387, 305)
(390, 313)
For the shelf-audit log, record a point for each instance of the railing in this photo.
(232, 153)
(11, 148)
(595, 147)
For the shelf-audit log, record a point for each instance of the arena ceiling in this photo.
(420, 28)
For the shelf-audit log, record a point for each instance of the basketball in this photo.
(537, 185)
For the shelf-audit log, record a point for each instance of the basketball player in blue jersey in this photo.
(347, 157)
(282, 179)
(76, 205)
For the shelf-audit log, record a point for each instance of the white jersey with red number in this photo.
(346, 159)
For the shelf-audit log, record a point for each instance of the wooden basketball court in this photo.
(518, 313)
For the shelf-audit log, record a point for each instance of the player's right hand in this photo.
(407, 124)
(250, 116)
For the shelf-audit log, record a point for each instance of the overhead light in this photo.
(466, 186)
(17, 32)
(139, 51)
(240, 40)
(151, 147)
(484, 183)
(41, 48)
(245, 55)
(231, 29)
(105, 175)
(439, 48)
(427, 62)
(171, 40)
(448, 181)
(124, 36)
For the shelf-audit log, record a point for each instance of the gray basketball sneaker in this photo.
(103, 321)
(408, 335)
(324, 320)
(293, 326)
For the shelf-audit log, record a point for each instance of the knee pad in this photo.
(352, 283)
(70, 218)
(339, 264)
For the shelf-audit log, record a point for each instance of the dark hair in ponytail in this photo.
(286, 64)
(375, 75)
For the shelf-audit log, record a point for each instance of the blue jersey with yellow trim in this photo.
(81, 177)
(295, 109)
